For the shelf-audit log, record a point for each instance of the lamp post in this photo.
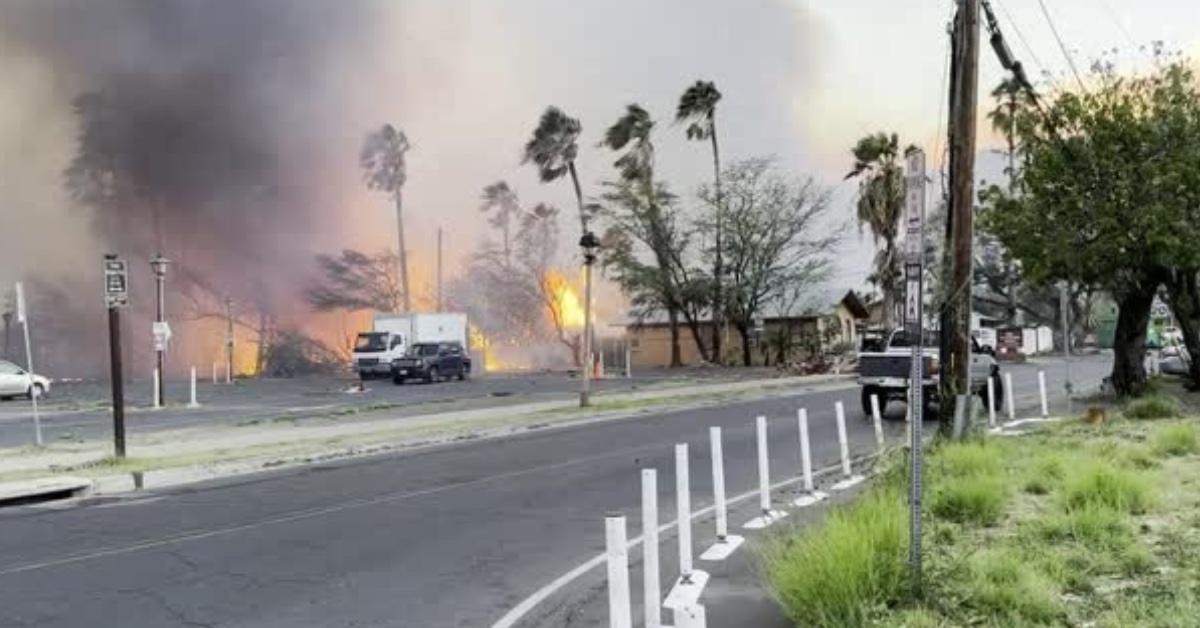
(590, 244)
(159, 265)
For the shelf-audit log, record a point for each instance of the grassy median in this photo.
(1076, 524)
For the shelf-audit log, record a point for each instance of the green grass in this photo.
(1176, 440)
(1100, 483)
(1153, 407)
(972, 499)
(1002, 585)
(856, 564)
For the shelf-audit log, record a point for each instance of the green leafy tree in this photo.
(1108, 198)
(384, 168)
(880, 206)
(698, 109)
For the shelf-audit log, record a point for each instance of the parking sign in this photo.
(116, 282)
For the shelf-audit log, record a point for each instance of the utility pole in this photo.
(116, 296)
(228, 340)
(440, 302)
(956, 330)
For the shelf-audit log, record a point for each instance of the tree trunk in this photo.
(403, 252)
(694, 326)
(1129, 342)
(1184, 297)
(676, 355)
(747, 355)
(718, 306)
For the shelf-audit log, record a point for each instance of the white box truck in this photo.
(392, 335)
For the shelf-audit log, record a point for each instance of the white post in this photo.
(619, 613)
(229, 372)
(877, 419)
(718, 473)
(628, 361)
(811, 494)
(683, 511)
(764, 467)
(1008, 391)
(23, 319)
(991, 401)
(214, 372)
(157, 400)
(650, 572)
(1042, 391)
(842, 444)
(193, 403)
(600, 360)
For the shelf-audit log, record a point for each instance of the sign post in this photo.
(23, 319)
(914, 317)
(116, 296)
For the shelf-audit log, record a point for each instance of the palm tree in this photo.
(880, 206)
(1010, 98)
(501, 198)
(384, 168)
(631, 133)
(698, 108)
(553, 149)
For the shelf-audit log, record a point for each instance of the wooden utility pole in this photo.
(956, 322)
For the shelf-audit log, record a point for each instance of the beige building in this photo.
(781, 337)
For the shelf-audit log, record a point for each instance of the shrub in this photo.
(1176, 440)
(833, 575)
(1099, 484)
(970, 499)
(1153, 407)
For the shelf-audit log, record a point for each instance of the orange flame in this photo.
(565, 301)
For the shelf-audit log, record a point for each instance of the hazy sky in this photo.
(802, 79)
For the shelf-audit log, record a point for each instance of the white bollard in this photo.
(767, 516)
(1042, 391)
(193, 403)
(877, 419)
(1008, 391)
(620, 614)
(849, 478)
(214, 373)
(726, 543)
(628, 363)
(991, 401)
(228, 373)
(157, 400)
(683, 511)
(650, 571)
(811, 494)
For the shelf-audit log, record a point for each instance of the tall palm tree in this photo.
(385, 170)
(503, 200)
(552, 149)
(880, 207)
(1010, 98)
(631, 133)
(698, 108)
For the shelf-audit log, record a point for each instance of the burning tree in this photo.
(384, 167)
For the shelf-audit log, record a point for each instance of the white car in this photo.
(14, 382)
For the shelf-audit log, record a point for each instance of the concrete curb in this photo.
(44, 489)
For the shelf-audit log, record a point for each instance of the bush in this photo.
(834, 574)
(1153, 407)
(971, 499)
(1176, 440)
(1099, 484)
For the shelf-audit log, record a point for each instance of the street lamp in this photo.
(159, 265)
(590, 244)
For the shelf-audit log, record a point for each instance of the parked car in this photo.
(16, 382)
(885, 373)
(1174, 360)
(432, 362)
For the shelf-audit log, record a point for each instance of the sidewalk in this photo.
(190, 454)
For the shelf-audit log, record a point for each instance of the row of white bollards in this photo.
(193, 401)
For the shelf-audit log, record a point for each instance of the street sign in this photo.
(162, 335)
(116, 282)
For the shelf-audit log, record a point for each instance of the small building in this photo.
(779, 336)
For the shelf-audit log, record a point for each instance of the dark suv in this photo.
(432, 362)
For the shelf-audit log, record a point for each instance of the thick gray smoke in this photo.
(194, 135)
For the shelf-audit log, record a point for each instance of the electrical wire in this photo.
(1025, 43)
(1061, 45)
(1112, 13)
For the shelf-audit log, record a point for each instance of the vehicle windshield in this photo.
(424, 350)
(376, 341)
(902, 339)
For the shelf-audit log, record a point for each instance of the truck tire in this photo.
(432, 376)
(998, 384)
(398, 379)
(462, 372)
(36, 389)
(867, 391)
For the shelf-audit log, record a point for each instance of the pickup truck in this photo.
(432, 361)
(886, 373)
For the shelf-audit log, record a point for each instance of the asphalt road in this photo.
(453, 536)
(81, 410)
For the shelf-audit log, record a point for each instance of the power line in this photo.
(1024, 42)
(1061, 45)
(1112, 13)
